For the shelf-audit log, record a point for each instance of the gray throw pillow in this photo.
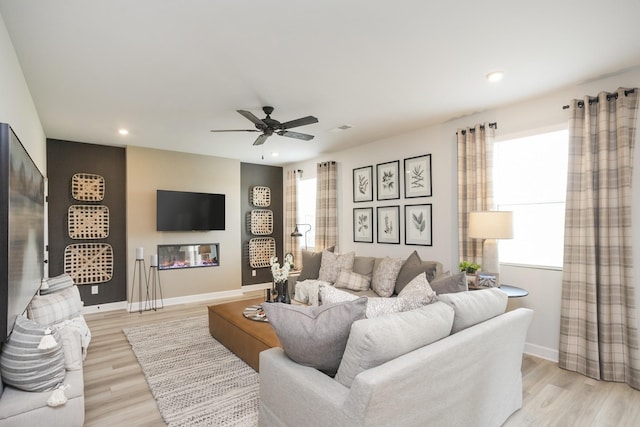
(315, 336)
(311, 264)
(411, 268)
(373, 342)
(25, 366)
(450, 284)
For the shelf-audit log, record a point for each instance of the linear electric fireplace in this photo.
(173, 257)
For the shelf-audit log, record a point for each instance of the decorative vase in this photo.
(279, 292)
(285, 292)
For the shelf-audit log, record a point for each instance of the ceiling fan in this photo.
(269, 126)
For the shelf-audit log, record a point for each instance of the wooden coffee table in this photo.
(246, 338)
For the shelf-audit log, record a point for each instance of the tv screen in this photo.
(21, 229)
(186, 211)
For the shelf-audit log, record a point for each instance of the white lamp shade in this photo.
(491, 225)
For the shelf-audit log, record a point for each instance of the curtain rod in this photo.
(471, 130)
(610, 96)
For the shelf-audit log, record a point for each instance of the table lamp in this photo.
(490, 225)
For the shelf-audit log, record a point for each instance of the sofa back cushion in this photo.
(373, 342)
(364, 265)
(311, 264)
(315, 336)
(473, 307)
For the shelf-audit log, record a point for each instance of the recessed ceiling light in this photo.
(123, 132)
(495, 76)
(342, 128)
(275, 154)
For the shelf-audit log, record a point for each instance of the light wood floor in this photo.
(116, 392)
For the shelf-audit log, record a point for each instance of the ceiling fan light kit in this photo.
(269, 126)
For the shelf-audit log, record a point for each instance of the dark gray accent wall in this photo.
(64, 159)
(268, 176)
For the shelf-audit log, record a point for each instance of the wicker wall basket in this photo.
(89, 263)
(261, 249)
(261, 196)
(87, 187)
(88, 222)
(261, 222)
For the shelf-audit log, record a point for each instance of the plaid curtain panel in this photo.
(292, 244)
(326, 205)
(475, 188)
(598, 333)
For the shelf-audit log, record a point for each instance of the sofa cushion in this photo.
(384, 278)
(411, 268)
(56, 307)
(364, 265)
(331, 264)
(450, 284)
(373, 342)
(24, 365)
(418, 292)
(56, 284)
(352, 280)
(311, 264)
(473, 307)
(315, 336)
(376, 306)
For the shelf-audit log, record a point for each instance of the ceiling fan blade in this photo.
(261, 139)
(234, 130)
(299, 122)
(297, 135)
(250, 116)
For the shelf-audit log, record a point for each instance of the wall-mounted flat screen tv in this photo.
(187, 211)
(21, 229)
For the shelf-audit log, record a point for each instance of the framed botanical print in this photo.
(417, 176)
(363, 225)
(388, 180)
(418, 227)
(363, 184)
(388, 224)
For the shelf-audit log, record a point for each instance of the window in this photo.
(530, 179)
(307, 211)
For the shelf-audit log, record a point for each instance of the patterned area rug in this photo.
(195, 380)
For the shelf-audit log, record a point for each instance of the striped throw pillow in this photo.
(24, 365)
(354, 281)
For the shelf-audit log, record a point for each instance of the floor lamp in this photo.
(297, 233)
(490, 225)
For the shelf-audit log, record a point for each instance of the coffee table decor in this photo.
(255, 312)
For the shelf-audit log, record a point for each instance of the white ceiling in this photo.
(169, 71)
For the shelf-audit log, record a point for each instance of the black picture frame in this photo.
(363, 225)
(363, 184)
(418, 224)
(388, 180)
(417, 177)
(388, 224)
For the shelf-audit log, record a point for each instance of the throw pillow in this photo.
(473, 307)
(311, 264)
(24, 365)
(71, 347)
(450, 284)
(315, 336)
(331, 264)
(56, 284)
(354, 281)
(418, 292)
(412, 267)
(56, 307)
(376, 307)
(384, 278)
(373, 342)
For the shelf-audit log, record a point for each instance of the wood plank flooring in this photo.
(117, 394)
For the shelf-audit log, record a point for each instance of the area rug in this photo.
(195, 380)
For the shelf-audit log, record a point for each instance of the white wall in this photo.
(16, 104)
(540, 113)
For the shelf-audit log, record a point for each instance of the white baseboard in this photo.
(212, 296)
(542, 352)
